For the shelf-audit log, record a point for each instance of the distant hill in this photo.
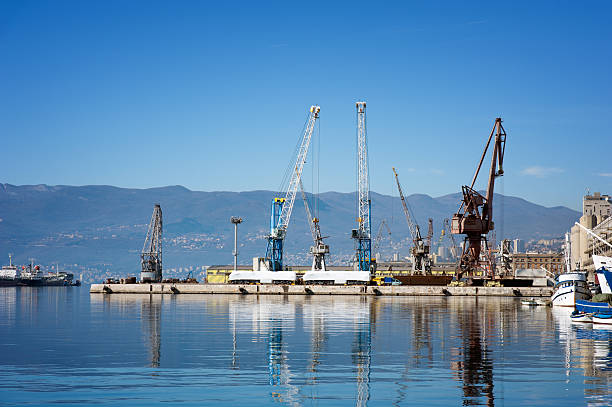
(104, 226)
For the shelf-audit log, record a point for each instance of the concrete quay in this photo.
(178, 288)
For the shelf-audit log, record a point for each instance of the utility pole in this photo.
(235, 221)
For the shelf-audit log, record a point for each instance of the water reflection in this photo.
(473, 365)
(304, 350)
(150, 311)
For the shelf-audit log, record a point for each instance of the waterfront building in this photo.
(553, 262)
(596, 215)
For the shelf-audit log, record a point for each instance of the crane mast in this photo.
(476, 219)
(363, 234)
(283, 206)
(420, 250)
(151, 256)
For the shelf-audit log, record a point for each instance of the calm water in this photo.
(63, 345)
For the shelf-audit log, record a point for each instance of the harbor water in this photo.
(64, 345)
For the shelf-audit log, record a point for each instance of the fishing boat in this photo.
(570, 287)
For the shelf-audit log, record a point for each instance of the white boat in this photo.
(569, 288)
(603, 319)
(581, 317)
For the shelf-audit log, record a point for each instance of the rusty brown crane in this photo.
(474, 219)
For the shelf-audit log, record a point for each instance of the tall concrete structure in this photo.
(596, 209)
(518, 246)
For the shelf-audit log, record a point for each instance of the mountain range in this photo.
(103, 227)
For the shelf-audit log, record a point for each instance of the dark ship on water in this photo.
(31, 275)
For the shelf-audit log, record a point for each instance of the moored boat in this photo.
(605, 319)
(583, 317)
(593, 307)
(570, 287)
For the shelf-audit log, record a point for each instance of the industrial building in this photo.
(596, 215)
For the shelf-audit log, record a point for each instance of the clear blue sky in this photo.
(213, 95)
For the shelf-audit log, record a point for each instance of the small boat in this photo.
(533, 302)
(602, 319)
(579, 316)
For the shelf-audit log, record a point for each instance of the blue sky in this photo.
(213, 95)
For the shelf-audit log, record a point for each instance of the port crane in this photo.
(151, 256)
(420, 249)
(319, 249)
(474, 219)
(363, 234)
(282, 207)
(270, 269)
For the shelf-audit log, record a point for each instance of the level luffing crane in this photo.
(319, 248)
(151, 256)
(474, 219)
(270, 269)
(420, 249)
(363, 234)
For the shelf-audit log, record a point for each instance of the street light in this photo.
(235, 221)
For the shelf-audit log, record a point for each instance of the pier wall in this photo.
(169, 288)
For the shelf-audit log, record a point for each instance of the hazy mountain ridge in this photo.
(106, 225)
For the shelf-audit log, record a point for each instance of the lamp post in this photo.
(235, 221)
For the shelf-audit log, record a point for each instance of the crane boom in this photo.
(285, 215)
(283, 207)
(415, 232)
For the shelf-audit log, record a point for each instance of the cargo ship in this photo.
(32, 276)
